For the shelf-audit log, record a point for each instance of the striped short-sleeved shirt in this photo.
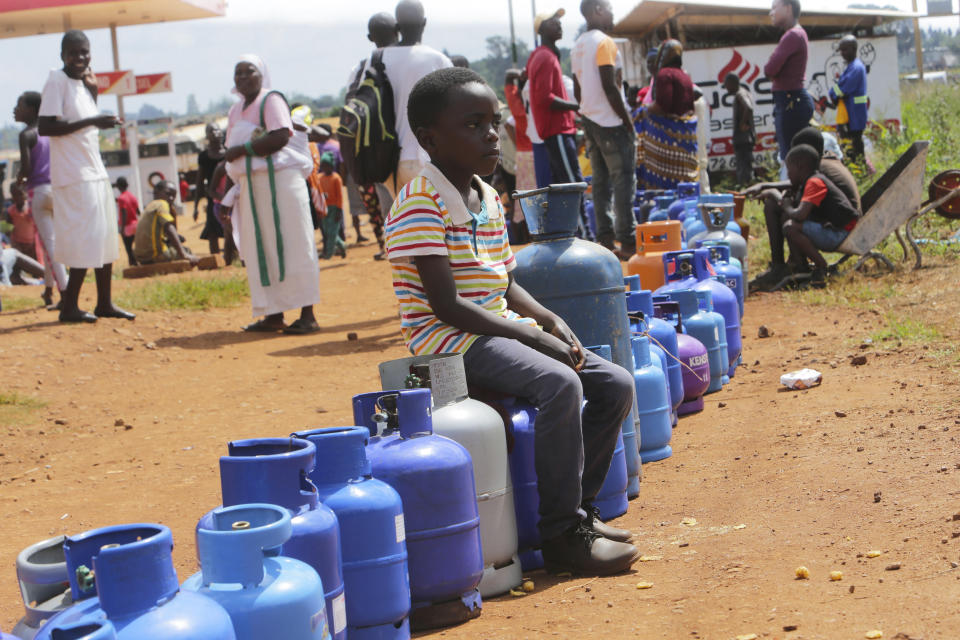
(429, 218)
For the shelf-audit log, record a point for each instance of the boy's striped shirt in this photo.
(429, 218)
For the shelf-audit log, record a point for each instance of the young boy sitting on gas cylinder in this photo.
(451, 262)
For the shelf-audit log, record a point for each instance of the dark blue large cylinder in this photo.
(523, 471)
(611, 500)
(274, 471)
(582, 283)
(434, 477)
(372, 534)
(125, 588)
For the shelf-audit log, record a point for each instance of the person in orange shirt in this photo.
(332, 186)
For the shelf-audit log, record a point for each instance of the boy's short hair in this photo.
(809, 136)
(805, 157)
(74, 35)
(794, 5)
(31, 99)
(429, 95)
(732, 77)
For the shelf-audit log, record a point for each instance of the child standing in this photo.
(34, 177)
(332, 186)
(129, 212)
(451, 262)
(744, 131)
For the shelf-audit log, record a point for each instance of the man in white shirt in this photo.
(406, 63)
(595, 62)
(85, 223)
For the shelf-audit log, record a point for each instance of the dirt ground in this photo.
(135, 415)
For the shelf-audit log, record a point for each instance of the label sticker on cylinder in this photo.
(716, 333)
(339, 614)
(319, 621)
(401, 529)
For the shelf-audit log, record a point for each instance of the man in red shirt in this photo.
(552, 108)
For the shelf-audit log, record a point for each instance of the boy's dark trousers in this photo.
(569, 444)
(128, 245)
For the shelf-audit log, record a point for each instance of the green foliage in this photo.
(195, 293)
(17, 409)
(904, 329)
(18, 303)
(14, 399)
(499, 58)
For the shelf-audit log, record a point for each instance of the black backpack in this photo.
(367, 129)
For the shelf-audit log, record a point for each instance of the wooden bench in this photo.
(205, 263)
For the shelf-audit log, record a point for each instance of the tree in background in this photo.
(192, 107)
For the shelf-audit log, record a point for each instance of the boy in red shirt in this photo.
(332, 186)
(823, 217)
(128, 210)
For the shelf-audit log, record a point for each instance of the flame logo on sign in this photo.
(746, 70)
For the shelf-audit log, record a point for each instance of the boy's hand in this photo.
(550, 345)
(562, 332)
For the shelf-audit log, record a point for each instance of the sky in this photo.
(308, 45)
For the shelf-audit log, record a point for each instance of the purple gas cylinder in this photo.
(434, 477)
(692, 353)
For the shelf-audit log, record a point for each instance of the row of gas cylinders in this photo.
(406, 520)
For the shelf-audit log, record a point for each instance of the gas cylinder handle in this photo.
(669, 307)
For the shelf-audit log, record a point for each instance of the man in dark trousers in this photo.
(850, 89)
(551, 106)
(744, 131)
(597, 65)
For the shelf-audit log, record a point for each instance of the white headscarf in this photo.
(256, 61)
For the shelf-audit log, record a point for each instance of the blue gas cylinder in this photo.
(687, 190)
(611, 500)
(659, 357)
(704, 328)
(728, 273)
(44, 585)
(724, 302)
(7, 636)
(581, 282)
(665, 335)
(591, 217)
(523, 471)
(653, 404)
(434, 477)
(125, 588)
(680, 269)
(661, 210)
(718, 221)
(372, 534)
(675, 210)
(274, 471)
(241, 569)
(632, 283)
(705, 302)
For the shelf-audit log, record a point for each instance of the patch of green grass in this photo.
(849, 290)
(193, 293)
(17, 409)
(900, 329)
(14, 399)
(18, 303)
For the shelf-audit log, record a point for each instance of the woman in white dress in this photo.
(271, 213)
